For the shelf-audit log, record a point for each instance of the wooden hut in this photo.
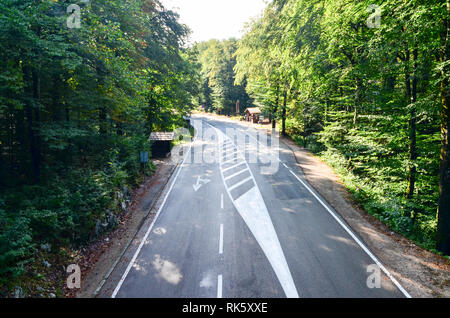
(252, 114)
(161, 144)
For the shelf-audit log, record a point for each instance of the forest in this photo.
(76, 107)
(364, 85)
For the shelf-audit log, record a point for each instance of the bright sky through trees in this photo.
(215, 19)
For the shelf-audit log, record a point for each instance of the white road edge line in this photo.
(219, 286)
(221, 240)
(350, 232)
(136, 254)
(355, 238)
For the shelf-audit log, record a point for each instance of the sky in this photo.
(215, 19)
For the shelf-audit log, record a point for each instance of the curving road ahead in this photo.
(236, 227)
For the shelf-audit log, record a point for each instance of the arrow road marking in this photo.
(200, 183)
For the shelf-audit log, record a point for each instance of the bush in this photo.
(63, 212)
(15, 246)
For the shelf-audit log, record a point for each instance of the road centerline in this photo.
(250, 205)
(219, 286)
(221, 240)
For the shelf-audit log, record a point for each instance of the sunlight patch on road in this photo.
(289, 210)
(167, 270)
(342, 240)
(208, 281)
(141, 266)
(160, 231)
(325, 248)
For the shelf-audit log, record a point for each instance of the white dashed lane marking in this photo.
(248, 201)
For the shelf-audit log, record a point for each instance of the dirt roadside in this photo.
(422, 273)
(99, 259)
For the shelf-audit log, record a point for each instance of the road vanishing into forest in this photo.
(236, 229)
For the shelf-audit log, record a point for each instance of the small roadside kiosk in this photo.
(252, 114)
(161, 143)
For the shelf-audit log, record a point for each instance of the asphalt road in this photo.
(236, 227)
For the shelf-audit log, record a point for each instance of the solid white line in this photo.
(225, 162)
(345, 227)
(239, 183)
(219, 286)
(125, 274)
(236, 174)
(221, 239)
(255, 221)
(228, 153)
(227, 147)
(232, 167)
(350, 232)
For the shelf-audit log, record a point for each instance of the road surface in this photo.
(230, 228)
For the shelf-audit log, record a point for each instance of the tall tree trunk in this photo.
(284, 111)
(11, 148)
(358, 100)
(21, 137)
(443, 227)
(102, 112)
(32, 87)
(412, 170)
(37, 122)
(102, 119)
(343, 105)
(56, 111)
(305, 127)
(275, 110)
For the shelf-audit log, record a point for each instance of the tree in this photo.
(365, 97)
(443, 230)
(217, 63)
(76, 108)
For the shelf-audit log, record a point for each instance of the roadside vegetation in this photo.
(363, 84)
(218, 90)
(76, 108)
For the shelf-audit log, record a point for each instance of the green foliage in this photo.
(372, 166)
(365, 99)
(15, 245)
(220, 92)
(76, 108)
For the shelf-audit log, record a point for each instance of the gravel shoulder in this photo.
(422, 273)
